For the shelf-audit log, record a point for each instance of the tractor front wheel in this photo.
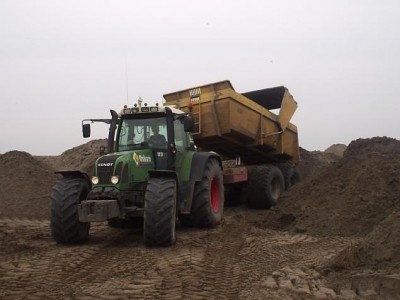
(160, 212)
(65, 226)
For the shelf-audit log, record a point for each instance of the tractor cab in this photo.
(158, 128)
(163, 130)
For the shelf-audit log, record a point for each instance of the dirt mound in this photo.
(349, 197)
(81, 157)
(26, 181)
(78, 158)
(378, 250)
(381, 246)
(313, 162)
(25, 186)
(336, 149)
(367, 148)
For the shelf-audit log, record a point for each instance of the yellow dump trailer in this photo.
(242, 125)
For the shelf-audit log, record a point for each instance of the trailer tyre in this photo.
(64, 221)
(290, 174)
(208, 200)
(296, 176)
(266, 184)
(160, 212)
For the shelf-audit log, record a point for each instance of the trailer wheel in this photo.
(266, 184)
(160, 212)
(296, 176)
(208, 200)
(64, 222)
(290, 174)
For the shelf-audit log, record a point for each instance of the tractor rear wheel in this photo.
(266, 184)
(160, 212)
(208, 200)
(64, 222)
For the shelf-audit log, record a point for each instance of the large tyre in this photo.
(296, 176)
(266, 184)
(65, 226)
(160, 212)
(208, 200)
(290, 174)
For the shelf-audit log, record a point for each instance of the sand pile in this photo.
(380, 248)
(336, 149)
(352, 196)
(312, 162)
(26, 181)
(25, 186)
(81, 157)
(78, 158)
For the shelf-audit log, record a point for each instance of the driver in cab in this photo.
(157, 139)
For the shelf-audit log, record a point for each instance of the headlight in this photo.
(114, 179)
(95, 180)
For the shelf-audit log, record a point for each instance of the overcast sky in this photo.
(63, 61)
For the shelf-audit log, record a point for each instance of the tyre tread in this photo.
(202, 214)
(259, 195)
(64, 221)
(160, 212)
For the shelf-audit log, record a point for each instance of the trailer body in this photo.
(241, 125)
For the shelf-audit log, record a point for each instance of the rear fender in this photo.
(199, 162)
(198, 166)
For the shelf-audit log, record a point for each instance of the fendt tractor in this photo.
(166, 164)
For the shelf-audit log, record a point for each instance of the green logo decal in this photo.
(141, 160)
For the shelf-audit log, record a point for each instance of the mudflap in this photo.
(98, 210)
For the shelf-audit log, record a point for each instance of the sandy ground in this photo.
(333, 236)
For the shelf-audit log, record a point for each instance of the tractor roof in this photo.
(144, 109)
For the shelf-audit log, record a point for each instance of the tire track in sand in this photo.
(234, 261)
(58, 271)
(205, 266)
(269, 251)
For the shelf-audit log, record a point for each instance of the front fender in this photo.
(75, 174)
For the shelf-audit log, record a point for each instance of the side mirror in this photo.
(188, 123)
(86, 130)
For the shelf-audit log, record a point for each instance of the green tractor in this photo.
(152, 175)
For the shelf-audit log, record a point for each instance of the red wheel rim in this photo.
(215, 196)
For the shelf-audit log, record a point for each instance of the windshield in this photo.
(142, 133)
